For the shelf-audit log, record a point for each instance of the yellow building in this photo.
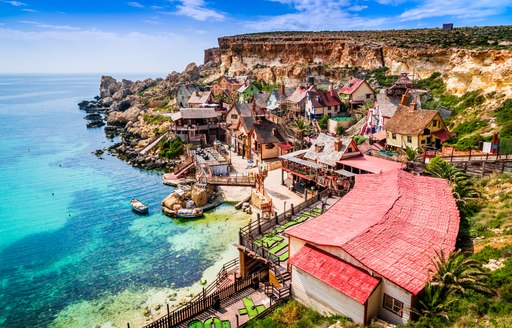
(415, 128)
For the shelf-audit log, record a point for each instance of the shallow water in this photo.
(71, 250)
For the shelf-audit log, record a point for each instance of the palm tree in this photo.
(462, 186)
(456, 273)
(453, 275)
(302, 127)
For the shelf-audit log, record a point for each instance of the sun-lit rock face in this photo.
(291, 57)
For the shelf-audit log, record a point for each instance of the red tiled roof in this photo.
(392, 223)
(324, 99)
(285, 146)
(340, 275)
(442, 134)
(371, 164)
(351, 86)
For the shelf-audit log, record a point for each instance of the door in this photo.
(438, 143)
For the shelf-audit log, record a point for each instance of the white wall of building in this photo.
(323, 298)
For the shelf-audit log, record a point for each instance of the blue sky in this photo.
(159, 36)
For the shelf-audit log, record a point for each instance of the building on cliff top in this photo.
(372, 261)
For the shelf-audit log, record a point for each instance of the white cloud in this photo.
(466, 9)
(314, 15)
(50, 26)
(390, 2)
(135, 4)
(197, 10)
(16, 3)
(357, 8)
(63, 51)
(29, 10)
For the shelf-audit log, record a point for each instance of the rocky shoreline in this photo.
(131, 111)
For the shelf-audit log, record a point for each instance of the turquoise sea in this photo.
(72, 253)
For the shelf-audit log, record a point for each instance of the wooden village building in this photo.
(371, 261)
(226, 84)
(383, 110)
(331, 163)
(357, 92)
(295, 104)
(196, 125)
(319, 104)
(400, 86)
(200, 99)
(246, 92)
(416, 128)
(183, 94)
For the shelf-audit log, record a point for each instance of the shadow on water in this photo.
(94, 253)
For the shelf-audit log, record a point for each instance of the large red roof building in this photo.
(388, 227)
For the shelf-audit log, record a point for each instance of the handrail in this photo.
(205, 300)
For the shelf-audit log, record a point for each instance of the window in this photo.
(393, 136)
(368, 95)
(234, 116)
(409, 139)
(426, 132)
(393, 305)
(434, 123)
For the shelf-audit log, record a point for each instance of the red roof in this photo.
(371, 164)
(340, 275)
(442, 134)
(351, 86)
(285, 146)
(324, 99)
(392, 223)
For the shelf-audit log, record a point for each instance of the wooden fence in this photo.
(250, 232)
(204, 300)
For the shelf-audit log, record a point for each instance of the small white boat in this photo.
(188, 213)
(139, 207)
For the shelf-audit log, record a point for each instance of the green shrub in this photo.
(468, 127)
(172, 148)
(155, 119)
(323, 122)
(486, 254)
(470, 142)
(359, 139)
(504, 113)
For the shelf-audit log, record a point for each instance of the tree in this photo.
(340, 129)
(323, 122)
(302, 127)
(456, 273)
(411, 154)
(453, 276)
(462, 186)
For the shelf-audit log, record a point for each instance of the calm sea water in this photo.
(67, 234)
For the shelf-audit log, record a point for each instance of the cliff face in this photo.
(291, 57)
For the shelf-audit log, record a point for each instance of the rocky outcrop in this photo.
(291, 57)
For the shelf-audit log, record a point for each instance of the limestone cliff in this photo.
(466, 64)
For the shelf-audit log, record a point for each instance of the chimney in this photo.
(197, 93)
(413, 105)
(282, 89)
(338, 144)
(253, 106)
(274, 132)
(404, 100)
